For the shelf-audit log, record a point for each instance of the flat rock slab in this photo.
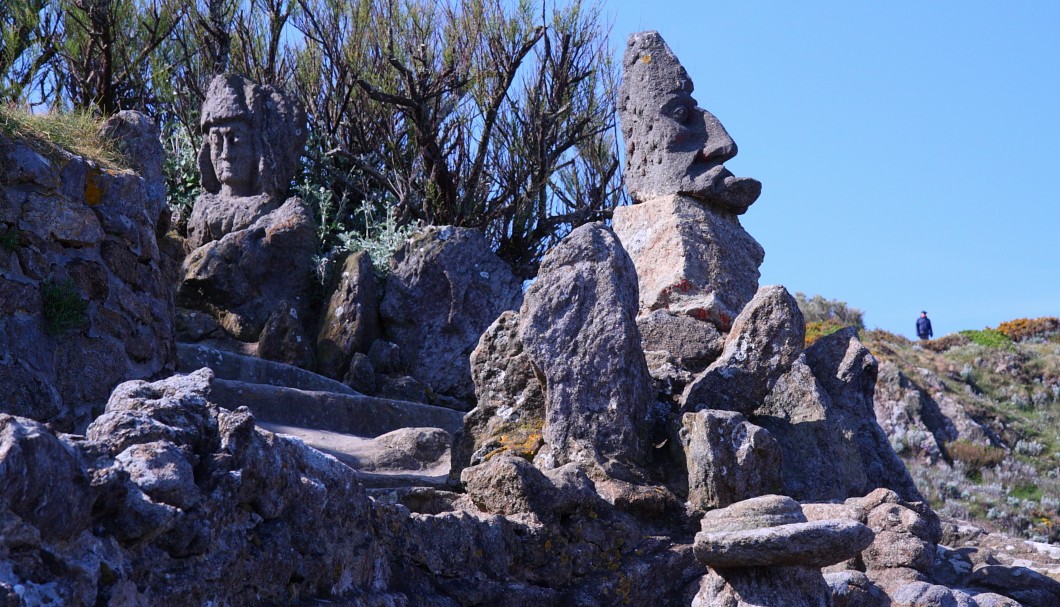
(252, 370)
(343, 413)
(354, 451)
(816, 544)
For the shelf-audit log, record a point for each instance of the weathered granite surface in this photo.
(84, 303)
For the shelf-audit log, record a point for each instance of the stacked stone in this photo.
(84, 299)
(763, 551)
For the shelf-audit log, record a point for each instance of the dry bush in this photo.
(975, 457)
(948, 342)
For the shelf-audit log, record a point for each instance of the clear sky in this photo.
(909, 151)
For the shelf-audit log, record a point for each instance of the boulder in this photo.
(44, 482)
(511, 403)
(350, 322)
(246, 275)
(729, 459)
(923, 594)
(361, 375)
(785, 586)
(444, 289)
(578, 327)
(283, 339)
(765, 340)
(510, 485)
(820, 457)
(771, 530)
(855, 589)
(690, 260)
(690, 343)
(1025, 585)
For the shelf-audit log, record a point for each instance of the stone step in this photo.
(358, 452)
(350, 414)
(253, 370)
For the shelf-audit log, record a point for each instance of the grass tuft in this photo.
(75, 132)
(63, 307)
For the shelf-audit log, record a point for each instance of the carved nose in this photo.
(719, 146)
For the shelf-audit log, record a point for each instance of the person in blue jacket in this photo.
(923, 326)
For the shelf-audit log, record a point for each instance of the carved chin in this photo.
(718, 186)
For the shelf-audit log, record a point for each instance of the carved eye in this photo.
(681, 114)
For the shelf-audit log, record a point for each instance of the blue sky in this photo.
(908, 151)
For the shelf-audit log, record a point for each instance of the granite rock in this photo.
(578, 327)
(729, 459)
(444, 289)
(690, 260)
(350, 322)
(764, 342)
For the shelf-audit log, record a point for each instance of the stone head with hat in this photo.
(672, 145)
(253, 136)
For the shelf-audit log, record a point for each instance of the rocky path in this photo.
(390, 443)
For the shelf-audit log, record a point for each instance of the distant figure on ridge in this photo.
(923, 326)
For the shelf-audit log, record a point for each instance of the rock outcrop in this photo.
(444, 289)
(511, 402)
(765, 340)
(170, 500)
(820, 411)
(84, 303)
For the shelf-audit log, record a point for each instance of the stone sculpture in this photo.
(252, 138)
(674, 146)
(693, 257)
(250, 250)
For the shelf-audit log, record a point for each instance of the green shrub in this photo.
(10, 238)
(381, 238)
(181, 171)
(63, 308)
(1026, 490)
(988, 338)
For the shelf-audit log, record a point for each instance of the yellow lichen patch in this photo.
(646, 59)
(94, 187)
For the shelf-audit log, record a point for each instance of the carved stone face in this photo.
(234, 157)
(253, 138)
(673, 146)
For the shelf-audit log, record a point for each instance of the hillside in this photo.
(975, 417)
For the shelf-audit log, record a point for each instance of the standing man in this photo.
(923, 326)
